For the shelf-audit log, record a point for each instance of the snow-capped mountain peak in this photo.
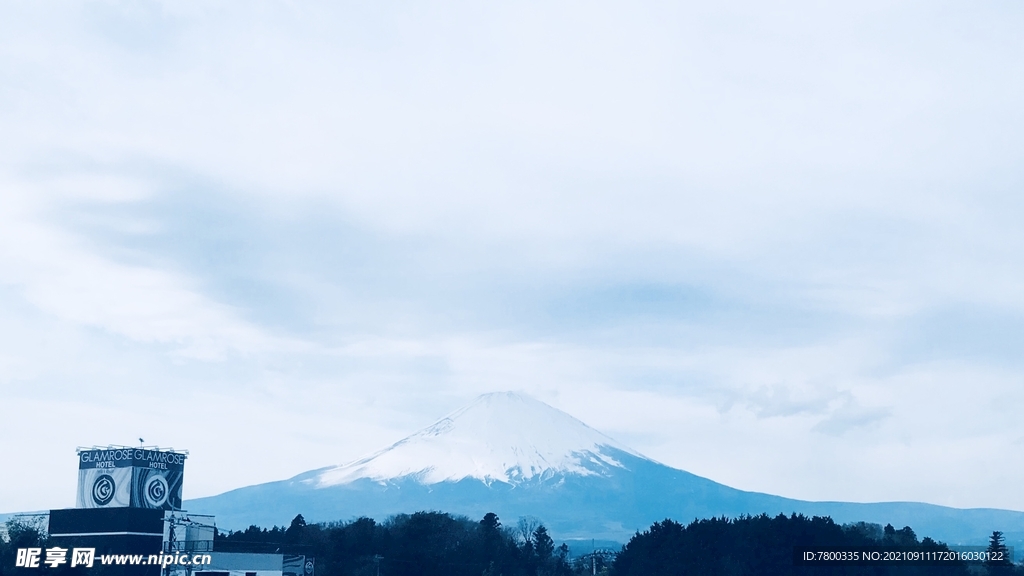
(514, 456)
(499, 437)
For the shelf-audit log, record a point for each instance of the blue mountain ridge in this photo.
(611, 506)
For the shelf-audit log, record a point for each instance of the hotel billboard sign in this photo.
(124, 477)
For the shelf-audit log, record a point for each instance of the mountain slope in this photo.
(516, 456)
(500, 437)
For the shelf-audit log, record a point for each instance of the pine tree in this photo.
(294, 532)
(999, 561)
(542, 543)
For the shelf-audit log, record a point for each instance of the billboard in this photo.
(130, 477)
(293, 565)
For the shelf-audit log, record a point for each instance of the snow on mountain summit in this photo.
(499, 437)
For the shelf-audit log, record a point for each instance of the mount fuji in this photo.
(516, 456)
(502, 437)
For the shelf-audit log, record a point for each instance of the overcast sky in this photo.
(779, 245)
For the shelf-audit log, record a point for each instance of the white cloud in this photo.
(736, 236)
(64, 276)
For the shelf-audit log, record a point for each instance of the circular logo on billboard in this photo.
(156, 491)
(103, 490)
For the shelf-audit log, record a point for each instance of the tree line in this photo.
(420, 544)
(437, 543)
(763, 545)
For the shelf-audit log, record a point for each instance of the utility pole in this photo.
(377, 558)
(593, 557)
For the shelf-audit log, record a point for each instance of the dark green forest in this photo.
(437, 543)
